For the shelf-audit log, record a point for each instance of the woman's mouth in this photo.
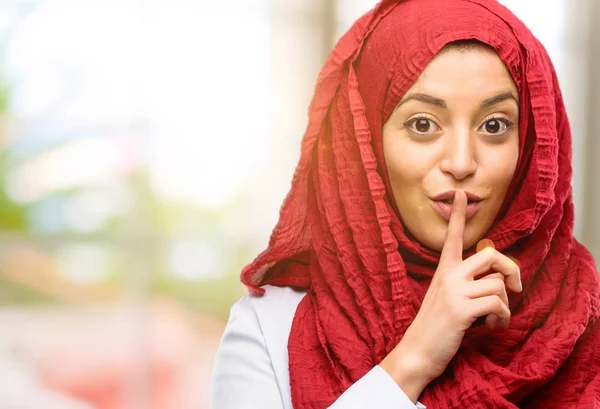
(444, 208)
(444, 201)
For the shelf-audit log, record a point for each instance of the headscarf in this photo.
(340, 237)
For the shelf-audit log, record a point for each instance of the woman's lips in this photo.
(445, 209)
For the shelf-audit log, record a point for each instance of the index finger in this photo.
(453, 244)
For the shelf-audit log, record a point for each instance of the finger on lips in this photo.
(453, 245)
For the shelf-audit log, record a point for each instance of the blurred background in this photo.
(145, 149)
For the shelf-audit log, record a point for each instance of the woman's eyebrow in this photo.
(498, 98)
(428, 99)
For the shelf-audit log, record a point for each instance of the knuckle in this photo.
(498, 286)
(514, 269)
(505, 309)
(490, 252)
(518, 273)
(498, 276)
(498, 303)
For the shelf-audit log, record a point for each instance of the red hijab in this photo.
(340, 238)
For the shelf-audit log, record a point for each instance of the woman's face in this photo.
(455, 128)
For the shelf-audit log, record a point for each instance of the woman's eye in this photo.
(495, 126)
(422, 126)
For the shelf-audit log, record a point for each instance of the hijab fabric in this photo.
(340, 238)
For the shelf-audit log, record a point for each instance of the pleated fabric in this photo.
(340, 238)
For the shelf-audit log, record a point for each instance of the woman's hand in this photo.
(454, 300)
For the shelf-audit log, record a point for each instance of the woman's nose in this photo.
(459, 155)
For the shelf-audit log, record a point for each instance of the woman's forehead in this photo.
(457, 72)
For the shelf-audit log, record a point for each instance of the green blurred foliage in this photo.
(12, 293)
(4, 93)
(13, 216)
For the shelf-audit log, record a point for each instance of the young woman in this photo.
(432, 196)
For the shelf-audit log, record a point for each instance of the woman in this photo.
(437, 132)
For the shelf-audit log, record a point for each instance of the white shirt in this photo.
(251, 367)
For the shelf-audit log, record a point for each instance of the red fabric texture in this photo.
(340, 238)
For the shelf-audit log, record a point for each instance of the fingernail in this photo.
(483, 243)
